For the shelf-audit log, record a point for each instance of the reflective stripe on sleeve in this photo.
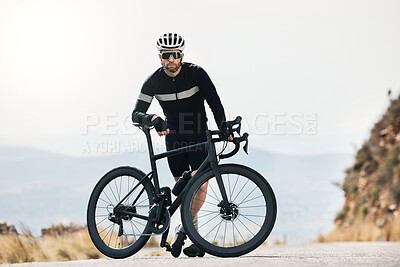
(145, 98)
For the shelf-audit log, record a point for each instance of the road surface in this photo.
(333, 254)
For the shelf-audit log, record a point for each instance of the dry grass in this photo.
(27, 248)
(55, 246)
(361, 231)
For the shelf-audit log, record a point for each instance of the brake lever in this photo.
(246, 147)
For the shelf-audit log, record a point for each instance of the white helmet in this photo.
(170, 41)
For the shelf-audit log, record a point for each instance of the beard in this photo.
(172, 67)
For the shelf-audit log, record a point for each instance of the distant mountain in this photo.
(39, 188)
(372, 186)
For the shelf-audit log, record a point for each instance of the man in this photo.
(181, 89)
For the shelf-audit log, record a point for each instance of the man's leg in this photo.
(179, 238)
(177, 164)
(198, 201)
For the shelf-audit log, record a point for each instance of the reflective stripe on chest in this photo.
(176, 96)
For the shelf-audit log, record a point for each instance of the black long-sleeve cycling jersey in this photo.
(181, 98)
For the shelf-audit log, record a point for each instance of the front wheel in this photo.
(114, 233)
(236, 229)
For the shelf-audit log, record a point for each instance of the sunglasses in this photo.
(167, 55)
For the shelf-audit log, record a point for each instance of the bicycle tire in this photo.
(110, 189)
(244, 186)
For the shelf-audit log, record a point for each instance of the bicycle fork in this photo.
(218, 177)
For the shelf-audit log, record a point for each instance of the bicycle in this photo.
(238, 213)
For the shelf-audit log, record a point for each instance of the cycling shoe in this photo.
(193, 251)
(176, 247)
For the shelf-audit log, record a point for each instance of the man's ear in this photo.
(182, 55)
(159, 55)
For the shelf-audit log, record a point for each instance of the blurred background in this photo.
(309, 78)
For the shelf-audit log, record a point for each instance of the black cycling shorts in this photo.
(185, 161)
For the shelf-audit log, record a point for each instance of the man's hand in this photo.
(163, 132)
(160, 125)
(223, 129)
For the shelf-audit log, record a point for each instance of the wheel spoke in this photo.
(110, 202)
(223, 244)
(104, 200)
(133, 231)
(138, 205)
(102, 221)
(233, 190)
(207, 214)
(111, 227)
(249, 200)
(245, 226)
(209, 220)
(105, 215)
(252, 215)
(105, 229)
(216, 197)
(229, 187)
(251, 220)
(244, 241)
(214, 204)
(127, 240)
(208, 193)
(127, 199)
(116, 190)
(113, 193)
(116, 240)
(138, 223)
(112, 232)
(248, 195)
(240, 190)
(233, 235)
(214, 228)
(258, 206)
(215, 237)
(120, 188)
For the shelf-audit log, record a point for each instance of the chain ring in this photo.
(162, 226)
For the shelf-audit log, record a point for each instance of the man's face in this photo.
(171, 64)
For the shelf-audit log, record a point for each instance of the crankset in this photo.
(161, 225)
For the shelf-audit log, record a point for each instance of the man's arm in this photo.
(142, 105)
(211, 96)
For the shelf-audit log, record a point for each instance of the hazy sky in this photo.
(276, 63)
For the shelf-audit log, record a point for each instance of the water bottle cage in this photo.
(181, 183)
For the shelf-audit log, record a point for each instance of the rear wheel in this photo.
(115, 234)
(239, 227)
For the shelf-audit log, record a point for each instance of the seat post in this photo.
(146, 131)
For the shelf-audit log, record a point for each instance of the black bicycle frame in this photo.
(210, 161)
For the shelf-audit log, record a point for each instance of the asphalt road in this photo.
(333, 254)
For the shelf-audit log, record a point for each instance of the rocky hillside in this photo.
(372, 186)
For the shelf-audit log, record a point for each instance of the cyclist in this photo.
(181, 89)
